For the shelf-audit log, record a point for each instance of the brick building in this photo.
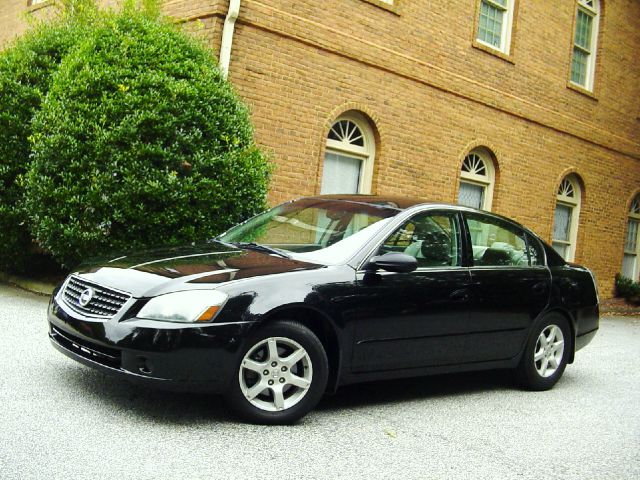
(529, 109)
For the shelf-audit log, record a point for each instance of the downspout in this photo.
(227, 36)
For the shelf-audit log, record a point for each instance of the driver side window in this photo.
(431, 238)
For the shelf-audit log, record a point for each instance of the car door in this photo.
(510, 286)
(408, 320)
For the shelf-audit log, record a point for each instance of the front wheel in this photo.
(281, 374)
(545, 356)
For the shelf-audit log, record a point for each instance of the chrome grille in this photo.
(105, 303)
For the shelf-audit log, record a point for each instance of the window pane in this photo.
(631, 242)
(490, 24)
(471, 195)
(629, 265)
(432, 239)
(583, 30)
(341, 174)
(562, 223)
(579, 67)
(496, 244)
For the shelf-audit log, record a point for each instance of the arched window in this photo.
(565, 220)
(348, 160)
(585, 41)
(631, 243)
(476, 180)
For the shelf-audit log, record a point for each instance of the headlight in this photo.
(185, 307)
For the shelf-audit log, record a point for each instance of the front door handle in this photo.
(539, 288)
(461, 295)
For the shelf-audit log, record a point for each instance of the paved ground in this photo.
(60, 420)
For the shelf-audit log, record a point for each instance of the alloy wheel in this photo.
(549, 351)
(275, 374)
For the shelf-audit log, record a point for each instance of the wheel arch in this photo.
(321, 325)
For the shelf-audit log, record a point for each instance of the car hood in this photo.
(155, 272)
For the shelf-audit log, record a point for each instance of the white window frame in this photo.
(634, 214)
(365, 153)
(507, 25)
(594, 12)
(485, 181)
(573, 202)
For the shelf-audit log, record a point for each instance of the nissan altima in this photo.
(326, 291)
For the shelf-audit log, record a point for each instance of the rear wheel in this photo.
(281, 374)
(545, 356)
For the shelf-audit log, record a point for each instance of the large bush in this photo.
(627, 288)
(139, 141)
(26, 70)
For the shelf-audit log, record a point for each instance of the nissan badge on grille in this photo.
(86, 296)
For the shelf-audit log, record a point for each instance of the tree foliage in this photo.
(139, 141)
(26, 71)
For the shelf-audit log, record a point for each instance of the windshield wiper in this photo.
(221, 242)
(261, 248)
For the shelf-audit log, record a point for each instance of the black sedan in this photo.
(326, 291)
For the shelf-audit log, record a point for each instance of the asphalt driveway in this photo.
(59, 419)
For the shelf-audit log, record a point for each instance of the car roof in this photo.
(403, 203)
(396, 202)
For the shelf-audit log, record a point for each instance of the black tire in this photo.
(528, 373)
(287, 332)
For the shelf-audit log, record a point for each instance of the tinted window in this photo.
(308, 225)
(536, 254)
(431, 238)
(496, 243)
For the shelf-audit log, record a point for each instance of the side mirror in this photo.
(393, 262)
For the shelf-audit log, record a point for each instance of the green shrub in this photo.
(26, 70)
(139, 141)
(627, 288)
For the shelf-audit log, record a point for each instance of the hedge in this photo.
(627, 288)
(139, 141)
(26, 70)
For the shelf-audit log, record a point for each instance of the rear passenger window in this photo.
(496, 243)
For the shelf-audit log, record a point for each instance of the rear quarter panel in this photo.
(573, 290)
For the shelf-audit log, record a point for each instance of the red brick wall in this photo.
(432, 96)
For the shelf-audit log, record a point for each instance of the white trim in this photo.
(573, 202)
(634, 209)
(227, 37)
(634, 214)
(365, 153)
(487, 180)
(507, 25)
(594, 13)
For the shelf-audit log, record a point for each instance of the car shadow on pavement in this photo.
(151, 404)
(160, 406)
(419, 388)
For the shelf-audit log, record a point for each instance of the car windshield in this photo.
(327, 231)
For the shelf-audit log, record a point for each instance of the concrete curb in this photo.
(34, 286)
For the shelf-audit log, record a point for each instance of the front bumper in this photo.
(170, 356)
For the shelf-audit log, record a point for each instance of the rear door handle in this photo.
(539, 288)
(461, 295)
